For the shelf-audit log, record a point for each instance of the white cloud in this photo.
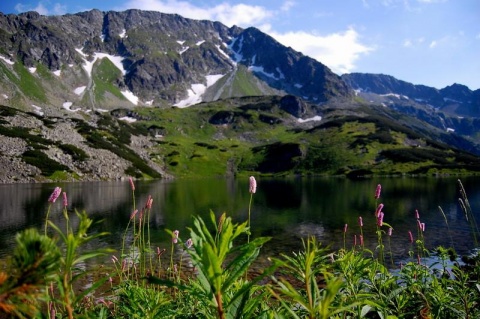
(339, 51)
(409, 43)
(42, 8)
(287, 5)
(239, 14)
(432, 1)
(59, 9)
(433, 44)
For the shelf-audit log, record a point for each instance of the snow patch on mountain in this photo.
(130, 96)
(79, 90)
(197, 90)
(315, 118)
(37, 110)
(32, 70)
(7, 60)
(68, 106)
(88, 65)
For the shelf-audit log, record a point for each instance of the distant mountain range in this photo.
(77, 65)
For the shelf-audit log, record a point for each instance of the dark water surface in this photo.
(285, 209)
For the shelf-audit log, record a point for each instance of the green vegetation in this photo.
(104, 76)
(43, 162)
(210, 274)
(248, 135)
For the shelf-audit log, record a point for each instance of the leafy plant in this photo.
(70, 270)
(318, 287)
(34, 264)
(220, 265)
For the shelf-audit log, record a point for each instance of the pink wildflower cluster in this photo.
(253, 185)
(56, 193)
(175, 236)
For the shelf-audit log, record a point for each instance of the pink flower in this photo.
(378, 191)
(379, 209)
(132, 216)
(380, 219)
(55, 194)
(189, 243)
(160, 251)
(175, 236)
(360, 221)
(132, 186)
(390, 231)
(253, 185)
(345, 228)
(417, 215)
(65, 200)
(410, 236)
(149, 203)
(422, 226)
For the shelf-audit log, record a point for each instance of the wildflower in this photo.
(132, 186)
(422, 226)
(390, 231)
(380, 219)
(160, 251)
(65, 200)
(410, 236)
(189, 243)
(175, 236)
(149, 203)
(133, 214)
(379, 209)
(417, 215)
(360, 221)
(114, 259)
(378, 191)
(55, 194)
(345, 228)
(253, 185)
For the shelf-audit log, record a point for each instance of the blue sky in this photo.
(430, 42)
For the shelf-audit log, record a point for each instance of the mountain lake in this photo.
(285, 209)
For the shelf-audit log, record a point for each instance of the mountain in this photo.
(454, 108)
(104, 60)
(106, 95)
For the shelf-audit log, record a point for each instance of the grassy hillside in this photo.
(240, 137)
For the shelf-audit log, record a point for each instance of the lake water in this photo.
(286, 209)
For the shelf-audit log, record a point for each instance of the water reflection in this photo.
(285, 209)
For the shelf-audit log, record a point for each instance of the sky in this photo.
(430, 42)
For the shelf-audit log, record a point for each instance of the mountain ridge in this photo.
(163, 95)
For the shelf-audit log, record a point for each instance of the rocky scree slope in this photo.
(39, 149)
